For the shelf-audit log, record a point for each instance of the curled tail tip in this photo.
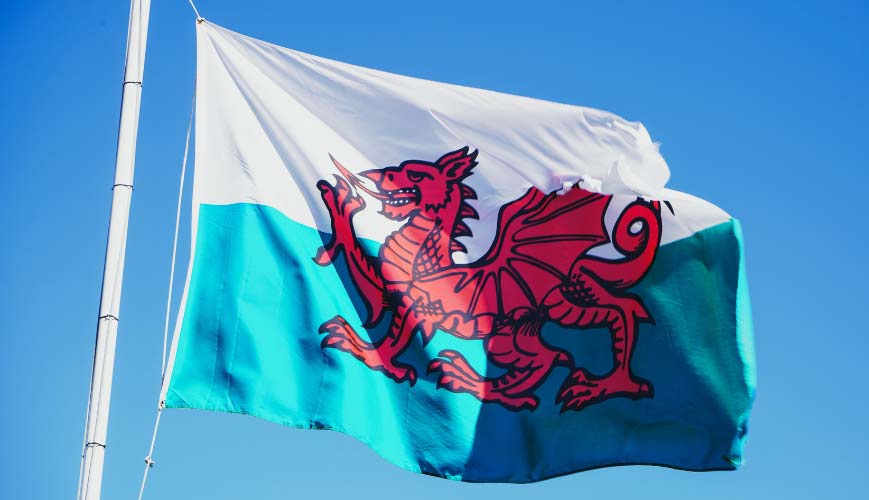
(637, 237)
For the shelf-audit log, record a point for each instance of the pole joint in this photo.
(122, 185)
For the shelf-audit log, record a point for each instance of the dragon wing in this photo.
(539, 238)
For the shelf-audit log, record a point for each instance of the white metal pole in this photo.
(110, 297)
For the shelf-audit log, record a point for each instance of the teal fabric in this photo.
(249, 344)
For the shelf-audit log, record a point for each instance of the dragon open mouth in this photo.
(401, 197)
(394, 198)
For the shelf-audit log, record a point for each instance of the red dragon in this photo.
(537, 270)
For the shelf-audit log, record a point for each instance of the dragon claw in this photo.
(324, 257)
(411, 377)
(450, 354)
(330, 341)
(581, 389)
(340, 199)
(398, 372)
(340, 335)
(456, 375)
(563, 358)
(434, 366)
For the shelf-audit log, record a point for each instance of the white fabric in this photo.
(268, 118)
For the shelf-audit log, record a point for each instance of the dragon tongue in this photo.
(355, 181)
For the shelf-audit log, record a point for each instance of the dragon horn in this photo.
(355, 181)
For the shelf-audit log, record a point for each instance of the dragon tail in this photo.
(637, 235)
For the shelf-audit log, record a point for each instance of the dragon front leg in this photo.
(342, 204)
(380, 355)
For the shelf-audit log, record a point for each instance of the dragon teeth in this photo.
(403, 201)
(400, 191)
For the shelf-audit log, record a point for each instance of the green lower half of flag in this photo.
(249, 343)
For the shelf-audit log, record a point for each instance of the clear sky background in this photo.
(761, 108)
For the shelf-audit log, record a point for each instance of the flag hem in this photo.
(415, 468)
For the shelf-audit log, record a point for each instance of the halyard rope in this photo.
(149, 462)
(175, 237)
(195, 11)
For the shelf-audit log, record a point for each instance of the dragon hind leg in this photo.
(456, 375)
(601, 309)
(515, 346)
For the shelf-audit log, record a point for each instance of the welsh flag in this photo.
(479, 286)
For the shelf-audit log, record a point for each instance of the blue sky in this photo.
(761, 109)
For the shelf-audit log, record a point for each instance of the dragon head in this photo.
(416, 186)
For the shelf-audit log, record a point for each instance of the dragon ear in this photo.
(457, 164)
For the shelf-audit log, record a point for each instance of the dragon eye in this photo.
(416, 176)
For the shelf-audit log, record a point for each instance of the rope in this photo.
(149, 462)
(175, 237)
(195, 11)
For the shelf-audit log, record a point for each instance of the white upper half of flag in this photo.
(268, 118)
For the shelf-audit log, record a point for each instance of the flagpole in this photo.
(94, 449)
